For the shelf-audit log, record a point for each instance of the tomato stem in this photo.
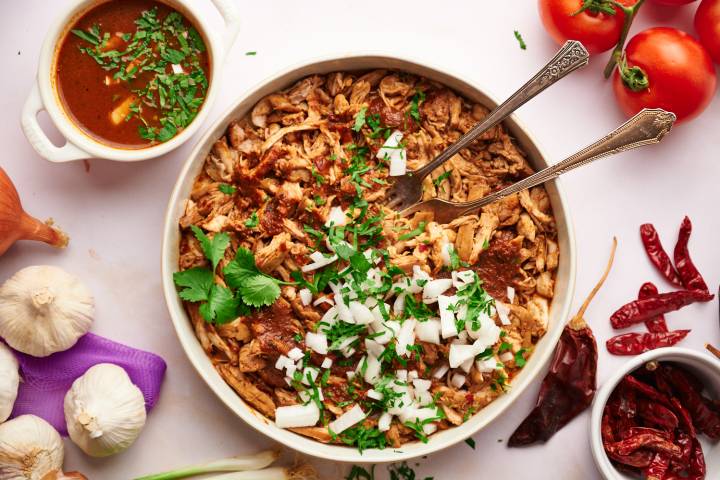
(630, 13)
(597, 6)
(634, 77)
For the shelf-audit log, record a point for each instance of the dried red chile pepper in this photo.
(649, 423)
(635, 343)
(570, 384)
(655, 324)
(640, 310)
(657, 255)
(690, 276)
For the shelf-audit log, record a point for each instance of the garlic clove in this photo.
(9, 381)
(104, 411)
(44, 310)
(30, 449)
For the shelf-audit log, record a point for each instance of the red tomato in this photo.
(597, 31)
(673, 2)
(707, 25)
(680, 73)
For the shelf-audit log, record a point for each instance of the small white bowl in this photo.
(565, 281)
(81, 146)
(705, 366)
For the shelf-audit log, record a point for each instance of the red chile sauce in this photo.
(89, 93)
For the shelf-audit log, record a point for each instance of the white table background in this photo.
(114, 212)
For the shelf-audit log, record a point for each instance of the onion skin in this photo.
(16, 225)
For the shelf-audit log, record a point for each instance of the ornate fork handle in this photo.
(647, 127)
(570, 57)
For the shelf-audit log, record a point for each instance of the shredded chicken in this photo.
(292, 159)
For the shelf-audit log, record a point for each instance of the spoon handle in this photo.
(570, 57)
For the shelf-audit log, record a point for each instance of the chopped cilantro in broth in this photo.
(132, 73)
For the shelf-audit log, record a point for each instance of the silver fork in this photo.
(647, 127)
(407, 189)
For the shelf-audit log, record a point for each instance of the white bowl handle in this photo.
(231, 16)
(37, 138)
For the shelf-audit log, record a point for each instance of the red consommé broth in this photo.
(87, 91)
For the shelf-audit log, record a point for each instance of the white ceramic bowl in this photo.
(559, 312)
(705, 366)
(79, 145)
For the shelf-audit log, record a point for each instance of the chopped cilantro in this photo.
(504, 347)
(227, 189)
(520, 40)
(252, 220)
(471, 442)
(359, 119)
(413, 233)
(417, 99)
(250, 54)
(520, 358)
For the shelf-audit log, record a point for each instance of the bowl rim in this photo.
(254, 419)
(606, 468)
(79, 144)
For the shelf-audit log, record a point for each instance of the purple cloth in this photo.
(45, 381)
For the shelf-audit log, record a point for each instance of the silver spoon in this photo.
(645, 128)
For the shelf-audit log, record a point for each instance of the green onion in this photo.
(257, 461)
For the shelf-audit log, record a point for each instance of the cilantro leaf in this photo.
(413, 233)
(221, 306)
(241, 268)
(214, 249)
(90, 37)
(259, 290)
(227, 189)
(442, 177)
(197, 282)
(417, 99)
(520, 358)
(520, 40)
(252, 221)
(471, 442)
(359, 120)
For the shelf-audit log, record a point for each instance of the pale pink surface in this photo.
(114, 213)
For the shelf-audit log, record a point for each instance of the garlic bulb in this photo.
(30, 449)
(44, 310)
(9, 381)
(104, 411)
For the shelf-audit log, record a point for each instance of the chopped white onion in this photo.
(460, 354)
(511, 294)
(295, 354)
(405, 337)
(342, 346)
(348, 352)
(467, 365)
(330, 317)
(399, 305)
(487, 365)
(327, 362)
(441, 371)
(412, 375)
(483, 318)
(503, 311)
(374, 394)
(384, 422)
(445, 252)
(373, 347)
(320, 261)
(457, 380)
(342, 309)
(398, 163)
(462, 278)
(401, 375)
(323, 299)
(305, 296)
(177, 69)
(421, 384)
(388, 329)
(390, 145)
(429, 428)
(506, 356)
(488, 335)
(428, 331)
(447, 317)
(372, 369)
(283, 362)
(414, 414)
(347, 420)
(317, 342)
(297, 416)
(312, 372)
(361, 314)
(336, 217)
(433, 288)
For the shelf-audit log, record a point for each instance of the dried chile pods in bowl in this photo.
(654, 409)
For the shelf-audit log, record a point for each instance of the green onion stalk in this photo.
(245, 467)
